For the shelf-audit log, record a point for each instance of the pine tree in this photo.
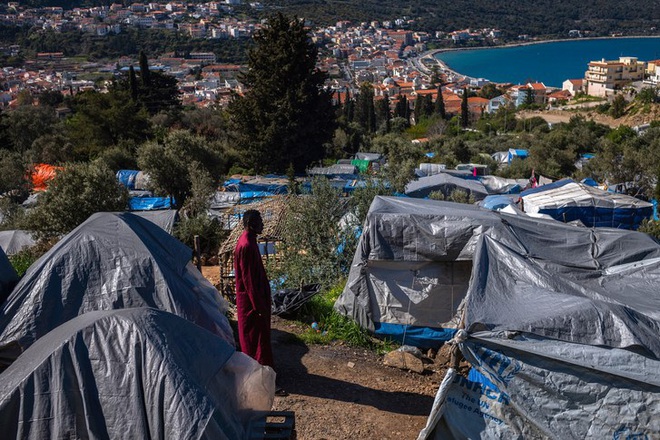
(286, 115)
(465, 114)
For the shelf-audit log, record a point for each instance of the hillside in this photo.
(543, 18)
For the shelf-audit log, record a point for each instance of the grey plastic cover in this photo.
(567, 352)
(406, 253)
(111, 261)
(14, 241)
(446, 184)
(133, 374)
(8, 277)
(165, 218)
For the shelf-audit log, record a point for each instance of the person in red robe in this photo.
(252, 292)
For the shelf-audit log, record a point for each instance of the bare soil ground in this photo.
(631, 120)
(339, 392)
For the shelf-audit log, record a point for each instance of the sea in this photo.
(550, 63)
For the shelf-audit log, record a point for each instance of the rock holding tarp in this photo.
(134, 373)
(560, 351)
(111, 261)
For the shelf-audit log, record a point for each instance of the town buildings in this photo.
(603, 78)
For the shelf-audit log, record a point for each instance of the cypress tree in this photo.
(440, 104)
(132, 84)
(286, 116)
(419, 109)
(465, 114)
(144, 70)
(383, 114)
(427, 108)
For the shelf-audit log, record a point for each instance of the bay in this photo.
(551, 63)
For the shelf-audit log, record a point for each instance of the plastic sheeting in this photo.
(111, 261)
(133, 373)
(500, 185)
(42, 174)
(8, 277)
(446, 184)
(567, 201)
(165, 218)
(14, 241)
(567, 352)
(336, 169)
(149, 203)
(413, 260)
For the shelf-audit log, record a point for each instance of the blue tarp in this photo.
(497, 202)
(589, 181)
(236, 185)
(421, 337)
(149, 203)
(513, 153)
(127, 178)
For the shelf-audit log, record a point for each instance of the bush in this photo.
(651, 227)
(75, 193)
(209, 230)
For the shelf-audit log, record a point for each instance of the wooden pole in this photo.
(198, 252)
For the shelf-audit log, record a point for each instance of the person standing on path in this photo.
(252, 292)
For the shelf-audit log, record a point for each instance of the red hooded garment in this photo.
(252, 300)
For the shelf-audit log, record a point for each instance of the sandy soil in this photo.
(339, 392)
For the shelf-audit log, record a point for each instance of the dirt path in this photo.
(338, 392)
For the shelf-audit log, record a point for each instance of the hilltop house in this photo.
(603, 77)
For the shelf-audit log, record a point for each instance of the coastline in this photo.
(431, 55)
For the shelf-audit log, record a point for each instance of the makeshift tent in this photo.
(413, 261)
(134, 373)
(498, 202)
(562, 350)
(149, 203)
(516, 154)
(336, 169)
(134, 180)
(8, 277)
(14, 241)
(446, 184)
(111, 261)
(371, 157)
(361, 164)
(500, 185)
(165, 218)
(566, 200)
(429, 169)
(42, 174)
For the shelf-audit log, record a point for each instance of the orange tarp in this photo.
(42, 174)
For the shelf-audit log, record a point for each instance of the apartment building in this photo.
(604, 77)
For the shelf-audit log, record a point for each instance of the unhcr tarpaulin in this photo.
(111, 261)
(134, 374)
(413, 261)
(567, 352)
(567, 201)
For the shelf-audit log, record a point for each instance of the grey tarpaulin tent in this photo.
(133, 374)
(446, 184)
(560, 351)
(413, 262)
(165, 218)
(14, 241)
(8, 277)
(111, 261)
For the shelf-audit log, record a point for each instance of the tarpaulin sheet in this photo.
(127, 178)
(572, 351)
(8, 277)
(165, 218)
(133, 373)
(566, 200)
(446, 184)
(14, 241)
(149, 203)
(361, 164)
(42, 174)
(405, 270)
(111, 261)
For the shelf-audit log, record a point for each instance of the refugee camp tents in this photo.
(136, 374)
(8, 277)
(566, 200)
(165, 218)
(500, 185)
(413, 261)
(561, 350)
(111, 261)
(446, 184)
(429, 169)
(14, 241)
